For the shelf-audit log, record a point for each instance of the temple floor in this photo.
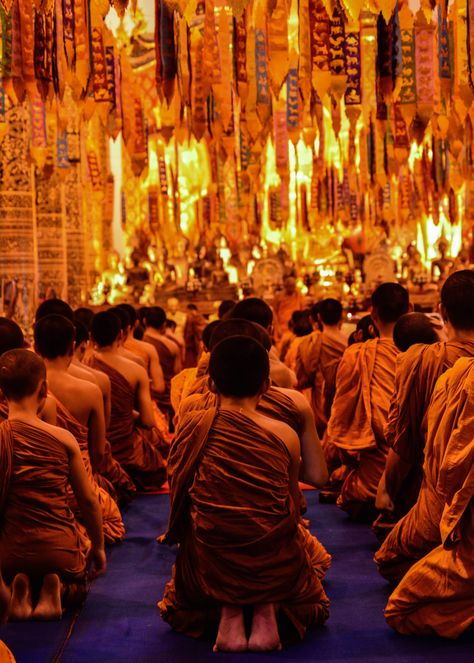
(120, 623)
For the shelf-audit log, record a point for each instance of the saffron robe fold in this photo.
(231, 551)
(450, 424)
(112, 523)
(364, 385)
(167, 361)
(113, 472)
(418, 369)
(317, 360)
(135, 448)
(437, 593)
(38, 533)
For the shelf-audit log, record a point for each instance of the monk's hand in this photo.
(383, 501)
(98, 561)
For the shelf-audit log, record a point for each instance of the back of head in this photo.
(155, 317)
(123, 317)
(105, 328)
(54, 336)
(131, 311)
(11, 336)
(54, 307)
(390, 301)
(301, 323)
(239, 367)
(84, 316)
(366, 328)
(236, 327)
(21, 371)
(254, 310)
(207, 333)
(413, 328)
(82, 333)
(225, 308)
(330, 312)
(457, 298)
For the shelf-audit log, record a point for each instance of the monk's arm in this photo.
(396, 471)
(144, 403)
(48, 411)
(156, 372)
(97, 430)
(88, 505)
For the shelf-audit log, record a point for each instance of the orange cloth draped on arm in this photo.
(364, 385)
(449, 425)
(167, 361)
(112, 522)
(437, 593)
(221, 466)
(38, 533)
(417, 372)
(136, 449)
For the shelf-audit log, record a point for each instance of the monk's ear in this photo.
(265, 386)
(442, 311)
(212, 386)
(43, 390)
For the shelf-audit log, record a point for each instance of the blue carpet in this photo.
(120, 622)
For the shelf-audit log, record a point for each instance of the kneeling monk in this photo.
(233, 553)
(39, 544)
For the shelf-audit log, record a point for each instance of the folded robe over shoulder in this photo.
(418, 369)
(364, 385)
(135, 448)
(112, 522)
(450, 422)
(231, 551)
(38, 533)
(437, 593)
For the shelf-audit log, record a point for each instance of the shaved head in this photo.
(239, 366)
(390, 301)
(413, 328)
(457, 298)
(255, 310)
(237, 327)
(21, 372)
(11, 336)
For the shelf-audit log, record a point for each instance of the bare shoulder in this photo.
(61, 434)
(148, 348)
(300, 401)
(281, 430)
(103, 380)
(82, 373)
(88, 391)
(131, 369)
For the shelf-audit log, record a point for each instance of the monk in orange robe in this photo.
(291, 299)
(39, 544)
(437, 593)
(364, 386)
(318, 357)
(449, 425)
(230, 555)
(136, 442)
(418, 370)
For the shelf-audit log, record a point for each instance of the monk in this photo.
(258, 311)
(80, 411)
(301, 327)
(193, 327)
(39, 543)
(448, 428)
(414, 328)
(365, 331)
(168, 353)
(124, 331)
(318, 357)
(437, 593)
(231, 555)
(285, 303)
(364, 385)
(134, 439)
(418, 369)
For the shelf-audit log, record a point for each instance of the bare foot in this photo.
(5, 596)
(264, 635)
(49, 607)
(231, 635)
(21, 608)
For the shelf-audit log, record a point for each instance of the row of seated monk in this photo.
(82, 432)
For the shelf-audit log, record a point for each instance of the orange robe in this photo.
(231, 551)
(38, 533)
(167, 361)
(135, 448)
(113, 472)
(417, 372)
(437, 593)
(283, 306)
(317, 360)
(112, 522)
(449, 425)
(364, 385)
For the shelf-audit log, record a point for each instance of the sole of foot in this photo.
(264, 635)
(231, 635)
(5, 598)
(21, 608)
(49, 607)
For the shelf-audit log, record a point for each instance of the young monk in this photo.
(417, 372)
(80, 410)
(414, 328)
(448, 428)
(231, 555)
(364, 386)
(437, 593)
(318, 358)
(135, 442)
(258, 311)
(39, 543)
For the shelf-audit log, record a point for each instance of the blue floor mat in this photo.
(121, 624)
